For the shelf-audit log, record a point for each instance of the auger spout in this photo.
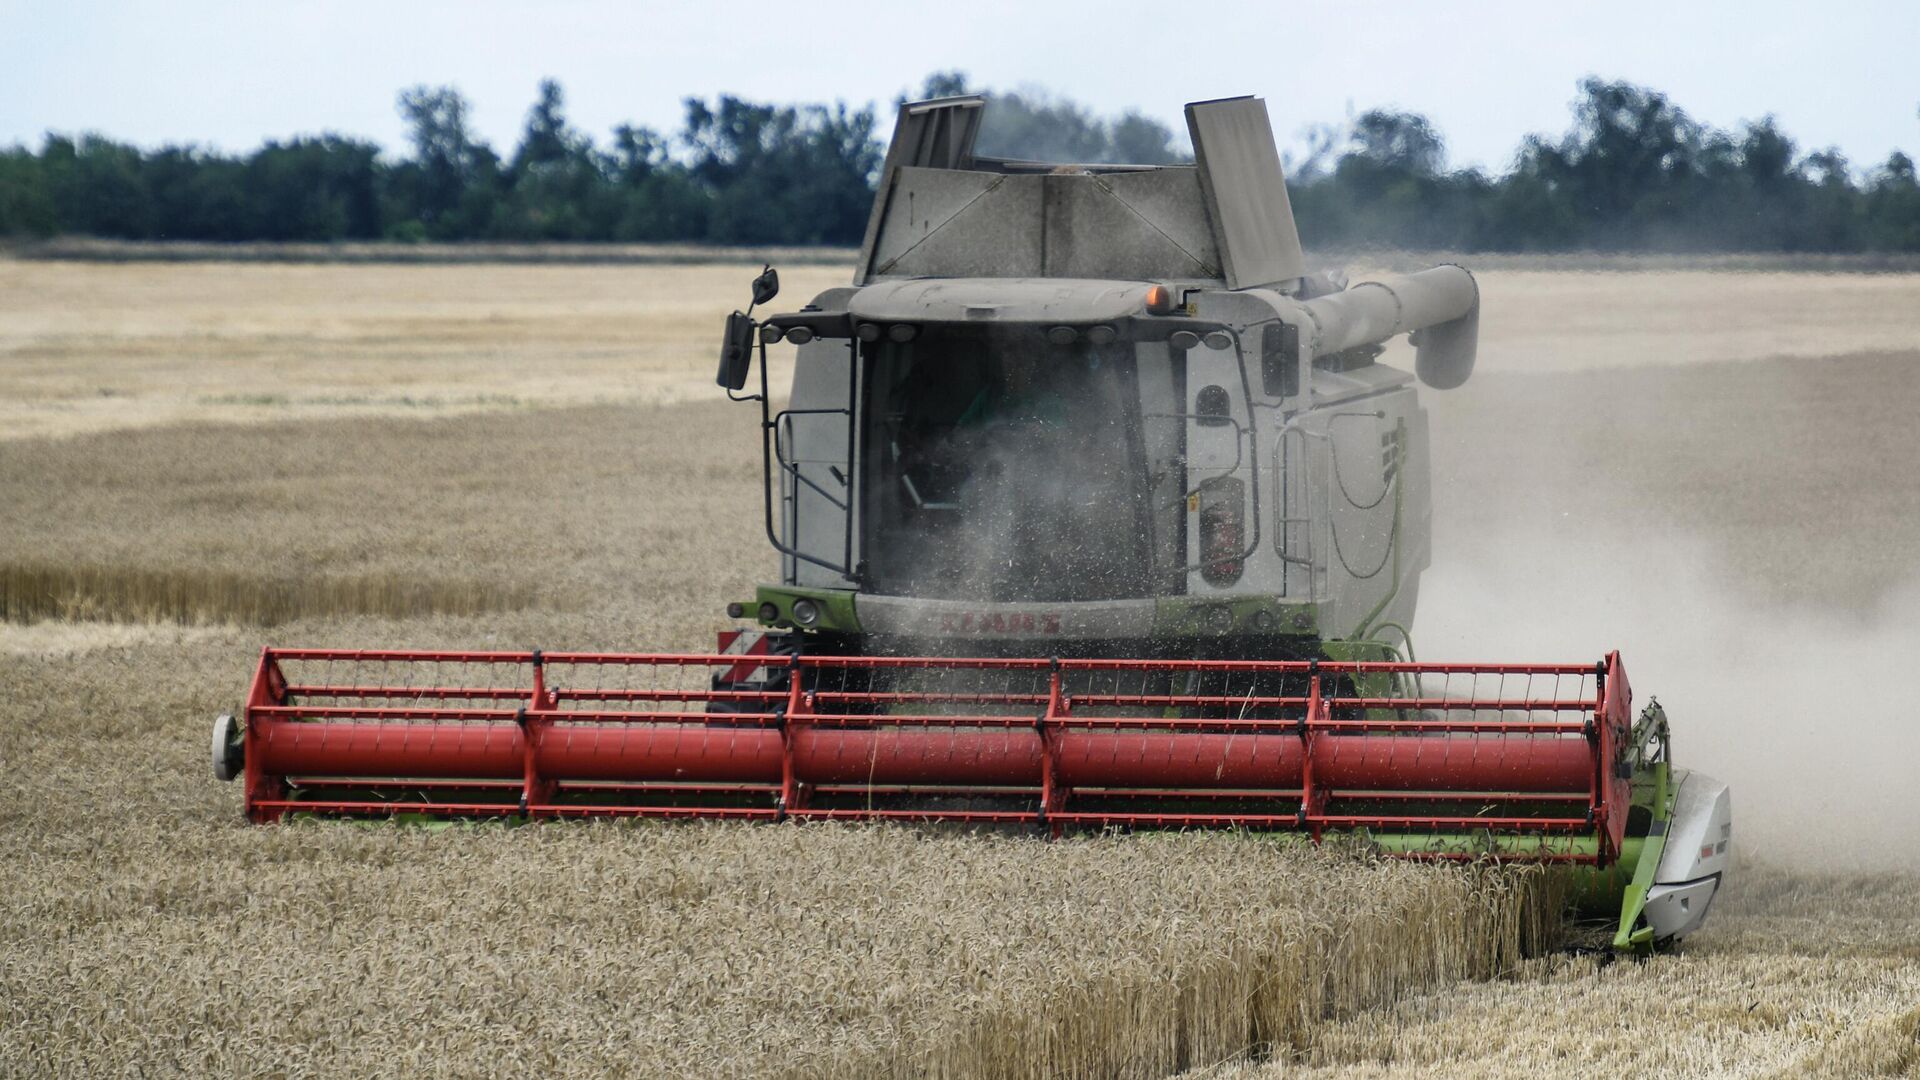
(1441, 307)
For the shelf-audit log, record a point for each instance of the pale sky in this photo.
(231, 74)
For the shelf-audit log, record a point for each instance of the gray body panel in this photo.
(943, 212)
(1698, 853)
(1014, 300)
(934, 134)
(1252, 217)
(945, 223)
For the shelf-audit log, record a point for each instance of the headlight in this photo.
(806, 612)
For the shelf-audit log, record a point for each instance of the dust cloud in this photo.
(1799, 708)
(1745, 530)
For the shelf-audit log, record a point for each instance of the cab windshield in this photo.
(1002, 466)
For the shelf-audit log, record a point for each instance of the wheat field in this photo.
(1803, 975)
(198, 460)
(98, 346)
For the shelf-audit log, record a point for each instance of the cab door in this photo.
(814, 457)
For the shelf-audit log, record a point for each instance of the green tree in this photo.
(1032, 125)
(1403, 142)
(1632, 172)
(26, 206)
(1892, 208)
(199, 195)
(657, 197)
(450, 185)
(557, 190)
(1624, 166)
(98, 188)
(1390, 187)
(324, 188)
(783, 174)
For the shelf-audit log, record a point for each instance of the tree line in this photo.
(1632, 172)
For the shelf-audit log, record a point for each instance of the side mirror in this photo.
(1280, 359)
(736, 352)
(766, 286)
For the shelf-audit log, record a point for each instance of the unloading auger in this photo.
(1095, 509)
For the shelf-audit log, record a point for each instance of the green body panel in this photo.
(1598, 890)
(1359, 652)
(1482, 843)
(1366, 652)
(836, 607)
(1621, 889)
(1633, 902)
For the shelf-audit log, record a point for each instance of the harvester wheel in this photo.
(228, 755)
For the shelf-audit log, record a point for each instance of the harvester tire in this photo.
(228, 756)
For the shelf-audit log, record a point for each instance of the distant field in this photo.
(100, 346)
(1710, 471)
(96, 347)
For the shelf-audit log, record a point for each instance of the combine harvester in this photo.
(1095, 510)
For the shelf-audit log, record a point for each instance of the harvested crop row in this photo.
(1798, 975)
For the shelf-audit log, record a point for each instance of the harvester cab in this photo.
(1101, 408)
(1094, 508)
